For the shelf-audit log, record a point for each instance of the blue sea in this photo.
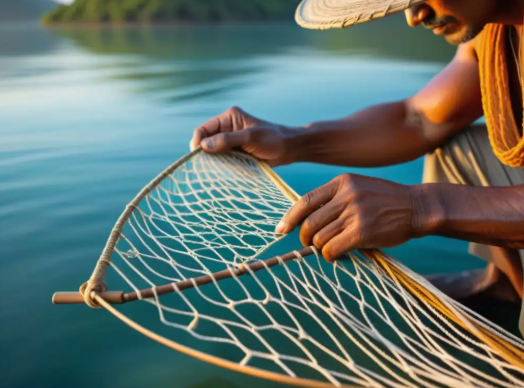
(89, 116)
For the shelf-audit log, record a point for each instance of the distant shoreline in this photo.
(113, 25)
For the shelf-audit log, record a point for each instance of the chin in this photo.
(454, 39)
(464, 35)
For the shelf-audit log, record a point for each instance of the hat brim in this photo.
(327, 14)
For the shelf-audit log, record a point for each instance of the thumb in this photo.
(225, 141)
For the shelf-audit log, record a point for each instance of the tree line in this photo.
(164, 11)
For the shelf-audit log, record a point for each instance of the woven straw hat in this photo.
(326, 14)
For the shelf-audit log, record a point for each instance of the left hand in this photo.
(353, 212)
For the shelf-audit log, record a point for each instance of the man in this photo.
(473, 176)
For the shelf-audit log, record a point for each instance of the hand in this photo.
(237, 129)
(355, 212)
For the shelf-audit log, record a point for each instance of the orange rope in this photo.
(504, 134)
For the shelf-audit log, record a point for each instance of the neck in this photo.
(509, 12)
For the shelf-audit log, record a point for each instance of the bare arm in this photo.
(487, 215)
(381, 135)
(361, 212)
(400, 131)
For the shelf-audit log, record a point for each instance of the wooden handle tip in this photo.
(113, 297)
(67, 298)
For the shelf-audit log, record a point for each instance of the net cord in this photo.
(92, 289)
(220, 362)
(96, 281)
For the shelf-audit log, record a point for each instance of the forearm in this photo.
(378, 136)
(488, 215)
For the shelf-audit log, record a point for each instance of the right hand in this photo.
(237, 129)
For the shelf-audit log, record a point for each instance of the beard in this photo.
(464, 35)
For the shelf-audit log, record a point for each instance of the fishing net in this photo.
(197, 248)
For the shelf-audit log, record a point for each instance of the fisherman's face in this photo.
(458, 21)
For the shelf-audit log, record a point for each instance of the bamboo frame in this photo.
(95, 283)
(93, 295)
(223, 363)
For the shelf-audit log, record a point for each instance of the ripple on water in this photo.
(89, 116)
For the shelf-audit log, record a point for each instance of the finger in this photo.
(305, 206)
(222, 123)
(344, 242)
(211, 127)
(327, 233)
(225, 141)
(318, 220)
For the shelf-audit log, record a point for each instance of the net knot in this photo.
(299, 258)
(87, 288)
(131, 254)
(242, 269)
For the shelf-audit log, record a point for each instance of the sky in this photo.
(64, 1)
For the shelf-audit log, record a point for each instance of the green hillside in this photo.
(167, 11)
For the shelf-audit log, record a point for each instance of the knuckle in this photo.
(358, 220)
(234, 110)
(350, 199)
(306, 200)
(347, 222)
(356, 238)
(346, 181)
(318, 242)
(354, 217)
(356, 228)
(201, 132)
(225, 122)
(344, 178)
(221, 138)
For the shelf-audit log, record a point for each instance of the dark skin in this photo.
(358, 212)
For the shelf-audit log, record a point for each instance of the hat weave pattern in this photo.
(327, 14)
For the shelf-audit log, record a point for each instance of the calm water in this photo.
(90, 116)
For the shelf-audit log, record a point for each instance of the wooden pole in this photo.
(119, 297)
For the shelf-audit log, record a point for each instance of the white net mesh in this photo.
(347, 323)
